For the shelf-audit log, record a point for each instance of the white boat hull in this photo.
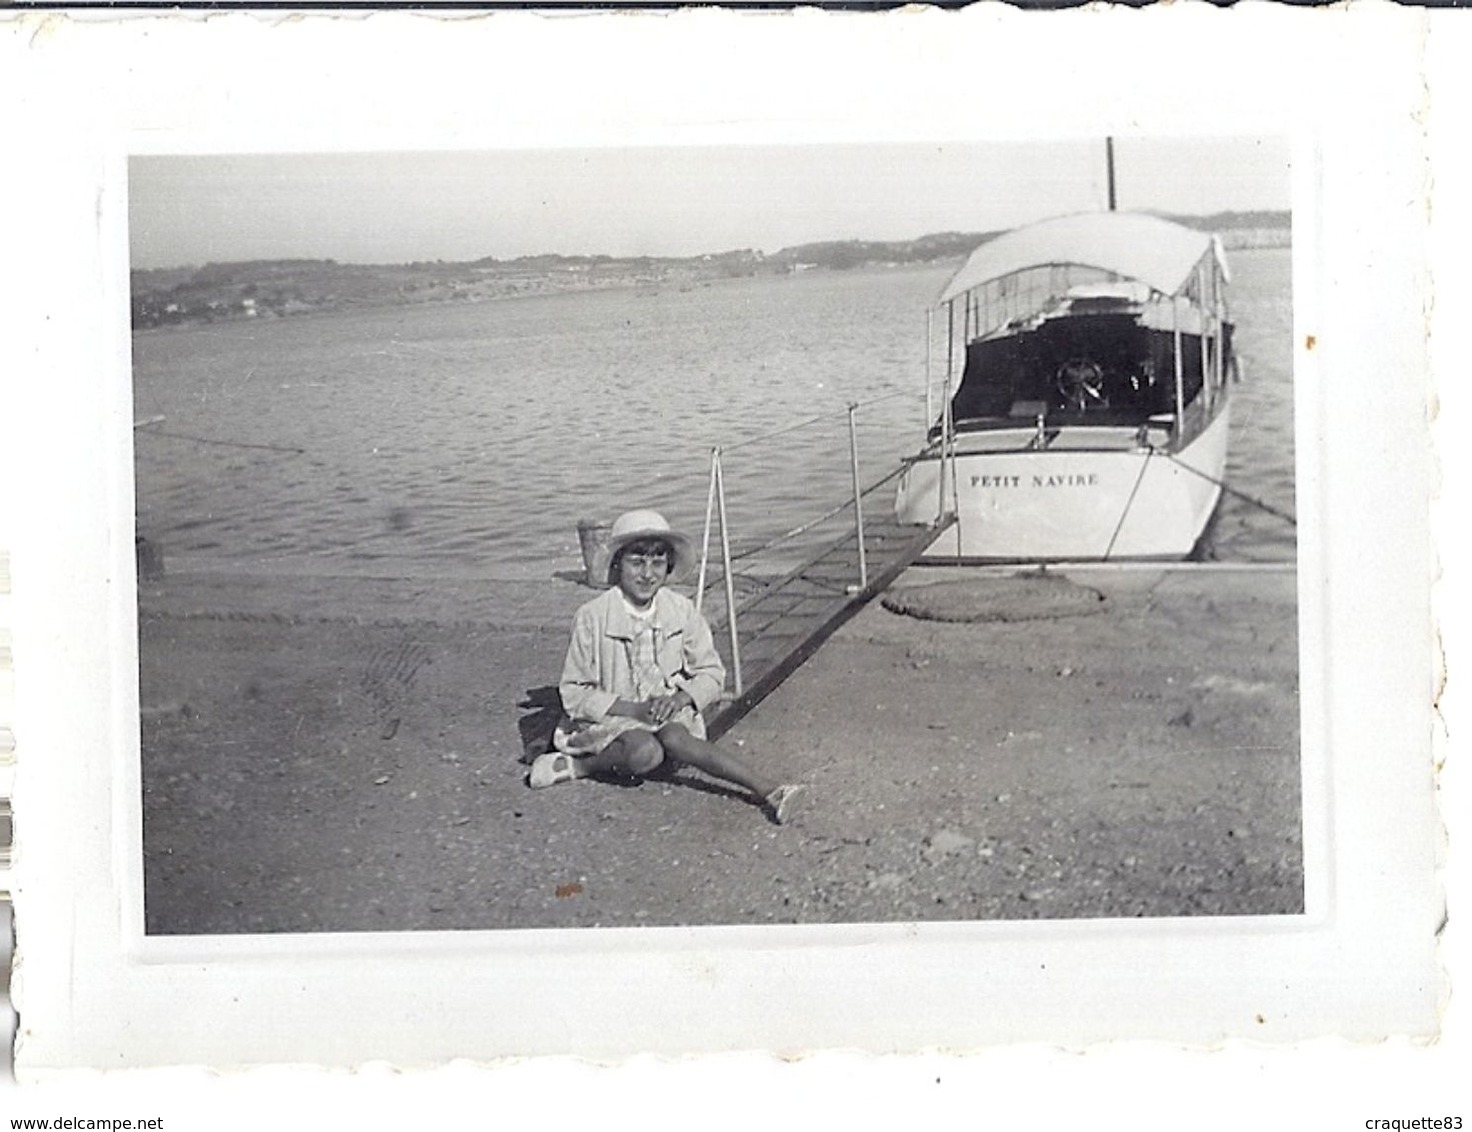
(1069, 502)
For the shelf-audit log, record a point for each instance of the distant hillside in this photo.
(840, 255)
(1244, 229)
(277, 288)
(284, 287)
(1236, 221)
(1237, 229)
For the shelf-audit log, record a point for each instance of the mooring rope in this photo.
(1130, 502)
(1242, 495)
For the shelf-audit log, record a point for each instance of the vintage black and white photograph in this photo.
(894, 551)
(711, 535)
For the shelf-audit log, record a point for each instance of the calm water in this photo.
(469, 439)
(1260, 458)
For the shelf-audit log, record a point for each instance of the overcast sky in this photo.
(402, 207)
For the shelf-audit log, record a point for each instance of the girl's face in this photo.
(643, 567)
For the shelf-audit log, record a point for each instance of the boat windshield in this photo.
(1095, 360)
(1023, 296)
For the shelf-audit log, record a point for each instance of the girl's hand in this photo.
(642, 710)
(663, 708)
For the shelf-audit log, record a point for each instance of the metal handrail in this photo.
(774, 433)
(804, 528)
(715, 509)
(811, 524)
(715, 503)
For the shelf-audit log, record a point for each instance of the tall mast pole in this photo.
(1109, 162)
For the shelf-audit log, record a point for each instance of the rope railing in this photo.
(831, 513)
(836, 414)
(715, 511)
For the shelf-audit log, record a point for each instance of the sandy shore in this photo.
(343, 754)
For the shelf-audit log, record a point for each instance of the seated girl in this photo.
(641, 669)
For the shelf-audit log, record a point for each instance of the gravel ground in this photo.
(1127, 747)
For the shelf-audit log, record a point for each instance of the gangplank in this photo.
(784, 623)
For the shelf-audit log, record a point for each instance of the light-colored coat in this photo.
(599, 667)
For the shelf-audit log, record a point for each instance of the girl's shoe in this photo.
(780, 802)
(552, 768)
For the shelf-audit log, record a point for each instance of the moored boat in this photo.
(1085, 409)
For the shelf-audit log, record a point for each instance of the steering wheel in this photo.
(1081, 382)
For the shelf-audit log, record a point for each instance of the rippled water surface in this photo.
(470, 439)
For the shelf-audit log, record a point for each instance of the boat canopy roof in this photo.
(1132, 245)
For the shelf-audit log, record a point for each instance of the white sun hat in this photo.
(632, 526)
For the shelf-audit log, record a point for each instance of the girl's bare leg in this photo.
(706, 756)
(634, 752)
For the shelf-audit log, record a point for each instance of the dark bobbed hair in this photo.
(615, 563)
